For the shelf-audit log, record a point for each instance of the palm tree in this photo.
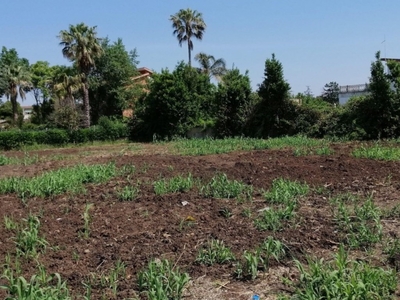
(81, 46)
(65, 89)
(188, 23)
(211, 66)
(17, 81)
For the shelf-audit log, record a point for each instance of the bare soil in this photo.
(155, 226)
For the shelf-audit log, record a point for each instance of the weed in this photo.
(75, 256)
(225, 212)
(246, 212)
(215, 252)
(392, 213)
(128, 170)
(9, 223)
(189, 221)
(392, 250)
(87, 219)
(161, 280)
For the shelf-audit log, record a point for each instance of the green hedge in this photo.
(109, 131)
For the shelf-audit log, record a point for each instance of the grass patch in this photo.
(57, 182)
(221, 187)
(218, 146)
(162, 280)
(359, 223)
(344, 279)
(274, 218)
(283, 191)
(215, 252)
(259, 260)
(29, 243)
(41, 286)
(175, 184)
(377, 152)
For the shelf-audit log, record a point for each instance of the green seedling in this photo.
(161, 280)
(176, 184)
(221, 187)
(215, 252)
(344, 279)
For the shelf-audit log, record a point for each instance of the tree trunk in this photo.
(86, 104)
(14, 107)
(190, 54)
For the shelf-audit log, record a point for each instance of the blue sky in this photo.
(316, 41)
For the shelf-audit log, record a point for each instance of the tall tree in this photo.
(111, 82)
(15, 79)
(41, 74)
(177, 102)
(18, 81)
(383, 105)
(188, 24)
(234, 101)
(273, 115)
(81, 46)
(212, 67)
(331, 92)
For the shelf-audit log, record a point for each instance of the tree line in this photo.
(99, 84)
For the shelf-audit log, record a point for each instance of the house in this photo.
(348, 91)
(141, 79)
(27, 112)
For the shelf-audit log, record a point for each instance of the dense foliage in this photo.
(107, 130)
(104, 81)
(177, 101)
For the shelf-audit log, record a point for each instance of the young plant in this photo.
(28, 241)
(377, 152)
(9, 223)
(344, 279)
(271, 248)
(128, 193)
(162, 281)
(215, 252)
(39, 287)
(118, 272)
(57, 182)
(360, 225)
(284, 191)
(272, 219)
(392, 250)
(248, 270)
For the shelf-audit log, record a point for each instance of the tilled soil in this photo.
(158, 226)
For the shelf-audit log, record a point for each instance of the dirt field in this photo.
(156, 226)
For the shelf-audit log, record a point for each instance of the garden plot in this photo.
(157, 224)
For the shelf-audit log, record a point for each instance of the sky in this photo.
(317, 41)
